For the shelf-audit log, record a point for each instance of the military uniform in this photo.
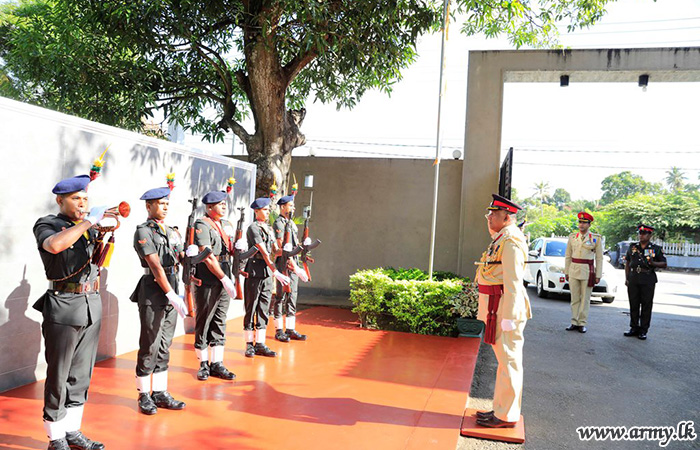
(72, 316)
(158, 317)
(641, 284)
(502, 297)
(285, 303)
(583, 263)
(258, 285)
(211, 299)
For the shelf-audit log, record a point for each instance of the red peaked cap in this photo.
(504, 204)
(583, 216)
(643, 227)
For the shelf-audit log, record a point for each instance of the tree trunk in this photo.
(276, 128)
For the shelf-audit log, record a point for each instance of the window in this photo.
(555, 248)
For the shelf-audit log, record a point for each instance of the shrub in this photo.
(404, 300)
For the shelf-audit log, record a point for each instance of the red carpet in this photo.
(344, 388)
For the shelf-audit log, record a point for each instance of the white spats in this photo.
(202, 355)
(55, 430)
(249, 336)
(160, 381)
(291, 322)
(217, 353)
(279, 323)
(260, 336)
(73, 419)
(143, 384)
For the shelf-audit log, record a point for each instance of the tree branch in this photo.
(293, 67)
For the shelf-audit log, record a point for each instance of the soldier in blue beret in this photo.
(285, 301)
(71, 310)
(212, 298)
(159, 248)
(258, 286)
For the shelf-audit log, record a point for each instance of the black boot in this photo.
(249, 349)
(78, 441)
(146, 404)
(203, 372)
(264, 350)
(295, 335)
(219, 371)
(163, 399)
(58, 444)
(281, 335)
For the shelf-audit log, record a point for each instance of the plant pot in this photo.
(470, 327)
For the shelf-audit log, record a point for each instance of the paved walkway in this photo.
(344, 388)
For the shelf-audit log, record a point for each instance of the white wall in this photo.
(39, 147)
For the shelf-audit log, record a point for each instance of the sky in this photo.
(569, 137)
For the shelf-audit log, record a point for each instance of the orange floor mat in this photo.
(344, 388)
(471, 429)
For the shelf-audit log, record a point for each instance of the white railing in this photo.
(679, 248)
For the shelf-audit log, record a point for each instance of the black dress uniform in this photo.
(285, 303)
(72, 316)
(158, 317)
(641, 284)
(211, 299)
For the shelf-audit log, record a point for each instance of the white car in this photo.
(548, 276)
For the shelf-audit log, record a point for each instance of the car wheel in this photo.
(540, 287)
(608, 299)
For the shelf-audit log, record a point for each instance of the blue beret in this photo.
(214, 197)
(286, 199)
(155, 194)
(75, 184)
(260, 203)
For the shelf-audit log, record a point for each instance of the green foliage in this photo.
(418, 274)
(675, 216)
(626, 184)
(547, 221)
(466, 302)
(402, 300)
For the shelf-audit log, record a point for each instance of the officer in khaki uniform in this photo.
(505, 307)
(583, 267)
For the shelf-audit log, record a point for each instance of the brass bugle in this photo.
(121, 210)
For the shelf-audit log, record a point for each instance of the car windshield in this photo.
(555, 248)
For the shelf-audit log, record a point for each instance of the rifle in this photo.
(189, 263)
(288, 254)
(306, 258)
(240, 256)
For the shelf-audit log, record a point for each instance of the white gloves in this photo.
(241, 245)
(229, 286)
(96, 214)
(282, 278)
(301, 273)
(108, 222)
(177, 303)
(307, 241)
(507, 325)
(192, 250)
(288, 247)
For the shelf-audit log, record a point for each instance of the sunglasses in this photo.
(644, 232)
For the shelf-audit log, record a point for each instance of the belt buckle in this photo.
(639, 269)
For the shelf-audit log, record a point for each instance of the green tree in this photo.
(542, 191)
(209, 65)
(561, 198)
(625, 184)
(675, 179)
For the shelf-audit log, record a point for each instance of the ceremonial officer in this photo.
(285, 300)
(213, 296)
(643, 258)
(505, 307)
(159, 248)
(71, 309)
(583, 267)
(258, 285)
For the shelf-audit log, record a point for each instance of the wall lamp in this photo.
(643, 82)
(564, 80)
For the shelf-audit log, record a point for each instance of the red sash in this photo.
(217, 227)
(591, 272)
(494, 292)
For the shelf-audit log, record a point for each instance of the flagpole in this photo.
(438, 144)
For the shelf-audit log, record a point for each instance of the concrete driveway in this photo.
(602, 378)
